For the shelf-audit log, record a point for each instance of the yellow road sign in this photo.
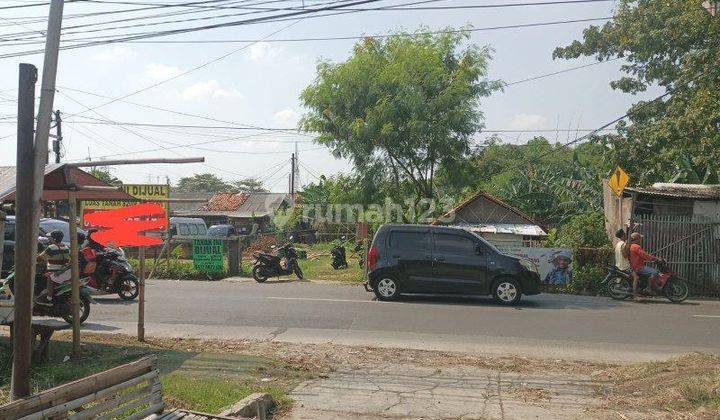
(618, 181)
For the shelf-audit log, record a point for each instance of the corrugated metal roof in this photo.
(7, 178)
(507, 228)
(192, 206)
(253, 205)
(691, 191)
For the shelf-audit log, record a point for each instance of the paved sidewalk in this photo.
(460, 393)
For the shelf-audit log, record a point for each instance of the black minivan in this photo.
(424, 259)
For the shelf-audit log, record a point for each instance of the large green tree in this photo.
(249, 185)
(674, 45)
(401, 107)
(204, 183)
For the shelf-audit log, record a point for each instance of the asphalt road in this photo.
(556, 326)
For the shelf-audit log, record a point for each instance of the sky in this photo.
(258, 84)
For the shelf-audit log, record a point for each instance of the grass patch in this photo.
(690, 382)
(193, 380)
(317, 265)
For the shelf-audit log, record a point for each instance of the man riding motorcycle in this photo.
(638, 256)
(57, 255)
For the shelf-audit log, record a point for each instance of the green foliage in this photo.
(203, 183)
(104, 174)
(402, 107)
(213, 184)
(675, 45)
(249, 185)
(547, 181)
(581, 231)
(178, 269)
(586, 279)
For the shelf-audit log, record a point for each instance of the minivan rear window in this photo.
(409, 241)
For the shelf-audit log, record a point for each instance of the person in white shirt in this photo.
(622, 259)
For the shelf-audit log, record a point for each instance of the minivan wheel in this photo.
(386, 288)
(507, 291)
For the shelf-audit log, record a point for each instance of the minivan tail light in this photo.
(372, 257)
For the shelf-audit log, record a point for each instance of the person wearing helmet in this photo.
(57, 256)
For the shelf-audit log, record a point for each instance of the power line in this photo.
(542, 76)
(263, 19)
(187, 114)
(378, 36)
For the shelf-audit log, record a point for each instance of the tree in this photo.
(204, 183)
(675, 45)
(249, 185)
(103, 174)
(401, 107)
(581, 231)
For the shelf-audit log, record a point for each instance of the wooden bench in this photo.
(131, 391)
(42, 332)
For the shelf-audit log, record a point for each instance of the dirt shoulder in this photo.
(335, 381)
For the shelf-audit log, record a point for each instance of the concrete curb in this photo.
(258, 406)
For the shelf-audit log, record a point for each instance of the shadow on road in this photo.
(544, 301)
(91, 326)
(528, 302)
(113, 301)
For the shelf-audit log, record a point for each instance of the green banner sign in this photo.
(208, 255)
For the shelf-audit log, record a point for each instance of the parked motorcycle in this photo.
(61, 304)
(284, 262)
(113, 274)
(338, 255)
(618, 284)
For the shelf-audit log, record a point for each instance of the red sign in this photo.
(126, 226)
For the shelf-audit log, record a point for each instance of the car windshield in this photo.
(216, 230)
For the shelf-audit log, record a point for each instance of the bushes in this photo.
(178, 270)
(586, 280)
(581, 231)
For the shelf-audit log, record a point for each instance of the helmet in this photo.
(57, 235)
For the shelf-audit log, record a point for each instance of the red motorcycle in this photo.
(618, 284)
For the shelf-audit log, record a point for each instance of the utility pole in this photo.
(26, 229)
(47, 96)
(32, 155)
(58, 136)
(292, 178)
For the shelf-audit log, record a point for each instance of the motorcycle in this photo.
(283, 263)
(618, 284)
(113, 274)
(61, 306)
(338, 255)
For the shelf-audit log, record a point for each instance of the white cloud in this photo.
(286, 118)
(527, 121)
(161, 71)
(114, 54)
(210, 89)
(262, 51)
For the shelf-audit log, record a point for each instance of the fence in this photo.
(690, 246)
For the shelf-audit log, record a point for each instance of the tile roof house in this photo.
(495, 220)
(240, 209)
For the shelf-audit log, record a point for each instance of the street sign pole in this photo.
(141, 294)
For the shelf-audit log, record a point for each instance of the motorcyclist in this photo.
(57, 255)
(638, 256)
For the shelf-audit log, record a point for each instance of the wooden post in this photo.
(232, 255)
(141, 294)
(75, 271)
(26, 234)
